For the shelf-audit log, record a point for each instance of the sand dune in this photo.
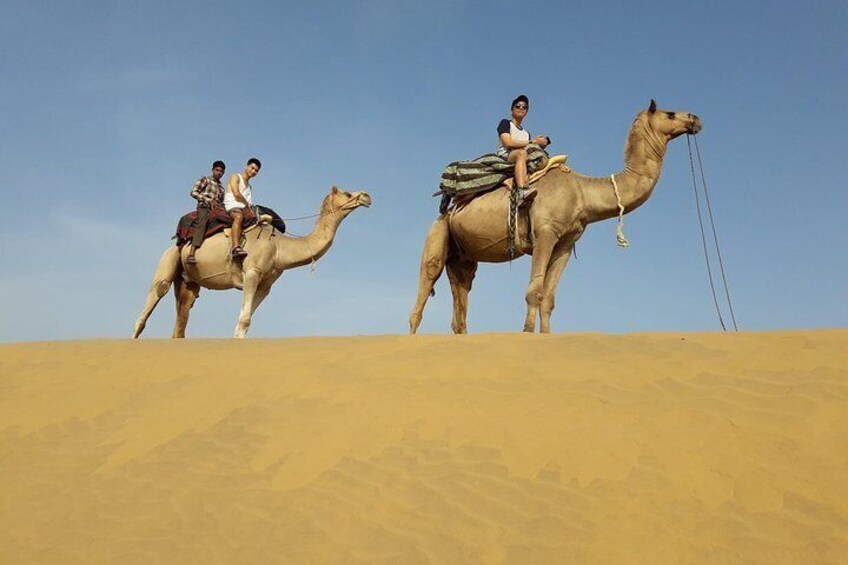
(644, 448)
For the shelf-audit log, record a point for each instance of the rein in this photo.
(715, 236)
(319, 214)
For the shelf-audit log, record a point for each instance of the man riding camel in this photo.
(514, 141)
(209, 193)
(238, 201)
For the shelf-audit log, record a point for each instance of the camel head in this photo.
(344, 201)
(670, 124)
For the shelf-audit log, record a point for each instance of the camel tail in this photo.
(432, 264)
(167, 270)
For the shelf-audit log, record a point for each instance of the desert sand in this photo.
(571, 448)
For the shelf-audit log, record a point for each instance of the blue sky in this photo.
(110, 110)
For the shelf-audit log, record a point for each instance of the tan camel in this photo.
(565, 204)
(269, 254)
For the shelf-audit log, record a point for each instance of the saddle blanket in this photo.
(486, 172)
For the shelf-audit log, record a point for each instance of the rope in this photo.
(704, 237)
(513, 214)
(715, 236)
(619, 230)
(320, 213)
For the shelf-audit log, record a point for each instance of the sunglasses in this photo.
(520, 106)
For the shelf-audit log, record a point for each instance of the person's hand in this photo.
(541, 141)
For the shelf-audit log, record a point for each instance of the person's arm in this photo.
(509, 143)
(506, 137)
(233, 185)
(197, 190)
(541, 141)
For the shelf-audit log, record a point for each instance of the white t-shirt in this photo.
(517, 133)
(230, 202)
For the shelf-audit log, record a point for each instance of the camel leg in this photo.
(167, 270)
(186, 294)
(461, 274)
(543, 245)
(250, 288)
(261, 294)
(559, 259)
(432, 263)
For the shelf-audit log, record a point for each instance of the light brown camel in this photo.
(566, 202)
(269, 254)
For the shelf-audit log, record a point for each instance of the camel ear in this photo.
(653, 107)
(334, 190)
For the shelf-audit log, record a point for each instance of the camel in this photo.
(269, 254)
(566, 202)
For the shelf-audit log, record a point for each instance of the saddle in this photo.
(555, 161)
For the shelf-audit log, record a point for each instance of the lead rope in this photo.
(704, 237)
(715, 235)
(619, 230)
(513, 213)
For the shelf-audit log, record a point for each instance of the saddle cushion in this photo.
(218, 220)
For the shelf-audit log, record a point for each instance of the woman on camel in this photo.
(514, 141)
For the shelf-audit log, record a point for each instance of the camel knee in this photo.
(161, 287)
(433, 267)
(533, 298)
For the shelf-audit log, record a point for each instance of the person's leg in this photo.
(199, 232)
(519, 158)
(235, 234)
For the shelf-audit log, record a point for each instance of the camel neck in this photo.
(300, 251)
(643, 161)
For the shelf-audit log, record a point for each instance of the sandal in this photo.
(238, 252)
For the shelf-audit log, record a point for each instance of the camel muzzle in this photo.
(696, 125)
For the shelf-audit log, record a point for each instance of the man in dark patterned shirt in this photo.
(209, 193)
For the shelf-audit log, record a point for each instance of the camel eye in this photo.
(670, 115)
(347, 194)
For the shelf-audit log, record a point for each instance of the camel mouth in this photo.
(364, 200)
(696, 126)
